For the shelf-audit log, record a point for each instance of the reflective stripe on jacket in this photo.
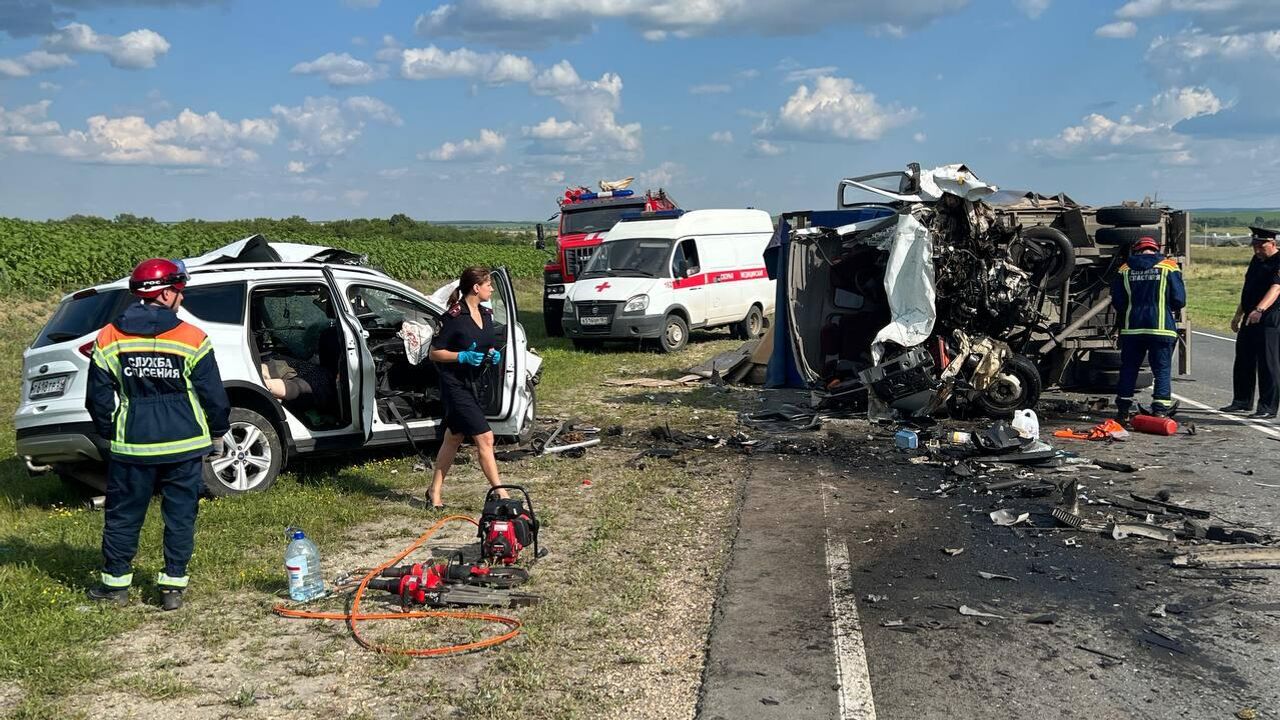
(1146, 294)
(170, 396)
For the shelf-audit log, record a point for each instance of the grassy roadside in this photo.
(58, 646)
(1213, 285)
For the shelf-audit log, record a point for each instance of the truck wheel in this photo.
(1123, 216)
(751, 326)
(1051, 255)
(553, 317)
(675, 334)
(1125, 235)
(251, 459)
(1017, 386)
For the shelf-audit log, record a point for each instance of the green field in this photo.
(1213, 284)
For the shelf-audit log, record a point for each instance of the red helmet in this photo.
(155, 275)
(1146, 243)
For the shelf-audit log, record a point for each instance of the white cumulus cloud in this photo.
(1119, 29)
(835, 109)
(326, 127)
(340, 70)
(488, 144)
(432, 63)
(1032, 8)
(764, 148)
(33, 62)
(722, 136)
(1147, 131)
(134, 50)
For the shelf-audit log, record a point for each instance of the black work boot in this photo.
(170, 598)
(105, 594)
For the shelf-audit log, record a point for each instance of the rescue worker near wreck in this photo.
(1257, 327)
(172, 411)
(1145, 294)
(466, 356)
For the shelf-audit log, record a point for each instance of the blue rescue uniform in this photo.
(1146, 293)
(155, 393)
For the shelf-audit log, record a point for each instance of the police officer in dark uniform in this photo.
(1257, 327)
(172, 411)
(1146, 293)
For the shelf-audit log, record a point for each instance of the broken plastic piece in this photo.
(966, 610)
(1120, 531)
(994, 576)
(953, 551)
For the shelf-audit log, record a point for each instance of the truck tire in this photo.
(751, 326)
(1125, 235)
(675, 334)
(1019, 388)
(1123, 216)
(553, 317)
(1062, 264)
(252, 460)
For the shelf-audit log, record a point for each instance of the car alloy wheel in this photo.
(246, 460)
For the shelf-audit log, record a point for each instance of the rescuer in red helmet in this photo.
(172, 411)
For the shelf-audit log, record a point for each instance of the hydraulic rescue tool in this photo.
(507, 526)
(454, 584)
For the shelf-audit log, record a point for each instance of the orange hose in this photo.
(354, 617)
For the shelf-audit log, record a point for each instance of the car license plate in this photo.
(48, 387)
(590, 320)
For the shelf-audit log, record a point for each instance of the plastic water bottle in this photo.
(1027, 424)
(302, 563)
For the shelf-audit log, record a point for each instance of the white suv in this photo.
(297, 304)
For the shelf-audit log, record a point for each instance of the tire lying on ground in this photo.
(1122, 216)
(1018, 386)
(1125, 235)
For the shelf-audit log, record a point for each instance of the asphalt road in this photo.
(841, 601)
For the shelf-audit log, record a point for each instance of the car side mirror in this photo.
(541, 243)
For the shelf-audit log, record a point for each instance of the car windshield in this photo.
(634, 256)
(592, 220)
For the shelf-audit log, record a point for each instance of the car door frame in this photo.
(359, 360)
(511, 359)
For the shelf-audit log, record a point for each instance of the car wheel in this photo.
(1125, 235)
(251, 459)
(586, 345)
(675, 334)
(1017, 386)
(1123, 216)
(751, 326)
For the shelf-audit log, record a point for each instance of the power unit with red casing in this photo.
(507, 526)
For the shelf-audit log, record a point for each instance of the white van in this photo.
(661, 274)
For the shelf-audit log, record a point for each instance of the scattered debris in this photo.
(1116, 466)
(993, 576)
(784, 418)
(1121, 531)
(1007, 518)
(1106, 655)
(1045, 619)
(970, 612)
(1226, 558)
(645, 382)
(1160, 639)
(1159, 611)
(873, 599)
(953, 551)
(1162, 503)
(1247, 714)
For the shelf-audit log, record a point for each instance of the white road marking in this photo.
(1258, 425)
(1215, 337)
(852, 674)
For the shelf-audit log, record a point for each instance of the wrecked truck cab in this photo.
(943, 292)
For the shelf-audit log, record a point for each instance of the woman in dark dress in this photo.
(466, 354)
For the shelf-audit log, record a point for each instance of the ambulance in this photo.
(660, 274)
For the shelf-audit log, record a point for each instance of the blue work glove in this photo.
(471, 357)
(495, 356)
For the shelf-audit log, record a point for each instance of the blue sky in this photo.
(488, 109)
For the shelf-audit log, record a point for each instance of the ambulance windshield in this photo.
(630, 257)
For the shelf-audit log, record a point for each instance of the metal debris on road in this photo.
(1227, 558)
(1121, 531)
(970, 612)
(1106, 655)
(953, 551)
(994, 576)
(1162, 503)
(1159, 611)
(1007, 518)
(873, 599)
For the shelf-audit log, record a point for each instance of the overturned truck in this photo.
(931, 290)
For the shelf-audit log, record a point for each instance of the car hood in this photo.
(256, 248)
(612, 289)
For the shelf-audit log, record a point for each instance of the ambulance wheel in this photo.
(750, 327)
(251, 459)
(1016, 386)
(675, 334)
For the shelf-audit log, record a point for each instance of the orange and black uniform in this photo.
(155, 392)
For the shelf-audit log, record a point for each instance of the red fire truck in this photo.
(585, 217)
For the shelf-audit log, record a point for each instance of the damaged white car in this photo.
(944, 292)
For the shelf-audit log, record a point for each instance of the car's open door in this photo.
(359, 363)
(500, 390)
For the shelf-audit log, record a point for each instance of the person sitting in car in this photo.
(301, 384)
